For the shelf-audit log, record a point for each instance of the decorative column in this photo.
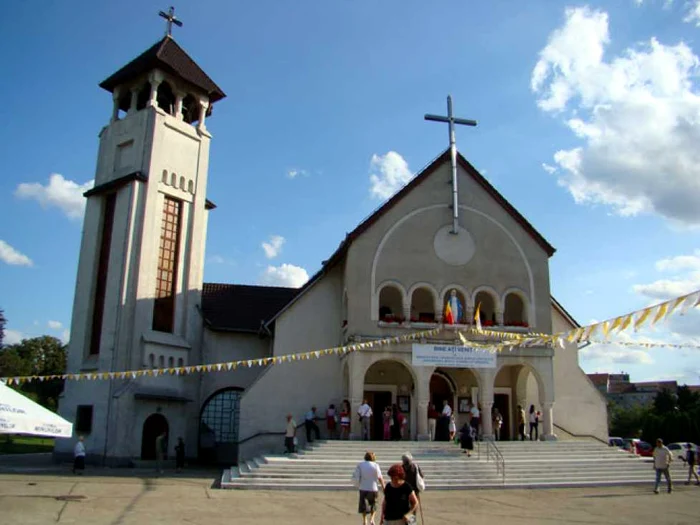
(548, 422)
(203, 105)
(356, 387)
(155, 80)
(499, 317)
(134, 99)
(115, 104)
(178, 105)
(422, 399)
(469, 314)
(488, 376)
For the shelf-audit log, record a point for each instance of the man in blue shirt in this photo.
(310, 424)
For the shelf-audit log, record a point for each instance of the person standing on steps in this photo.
(521, 423)
(387, 417)
(365, 415)
(290, 435)
(497, 424)
(345, 421)
(311, 426)
(433, 414)
(331, 421)
(368, 478)
(534, 422)
(662, 462)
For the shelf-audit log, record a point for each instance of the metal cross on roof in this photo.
(452, 120)
(170, 17)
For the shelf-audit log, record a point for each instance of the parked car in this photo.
(678, 449)
(616, 442)
(639, 447)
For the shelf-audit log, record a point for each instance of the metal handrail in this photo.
(492, 452)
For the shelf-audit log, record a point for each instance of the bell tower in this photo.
(142, 252)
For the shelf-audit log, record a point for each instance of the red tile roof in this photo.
(168, 56)
(599, 379)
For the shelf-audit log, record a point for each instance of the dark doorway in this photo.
(439, 391)
(153, 427)
(501, 402)
(378, 401)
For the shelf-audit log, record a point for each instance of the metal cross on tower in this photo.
(170, 17)
(451, 120)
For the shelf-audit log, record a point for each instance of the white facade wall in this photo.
(580, 408)
(313, 322)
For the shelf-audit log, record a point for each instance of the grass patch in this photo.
(25, 444)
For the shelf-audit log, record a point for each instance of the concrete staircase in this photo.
(328, 465)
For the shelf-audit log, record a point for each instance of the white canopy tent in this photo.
(21, 415)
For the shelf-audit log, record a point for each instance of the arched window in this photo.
(171, 362)
(182, 183)
(422, 306)
(190, 186)
(459, 310)
(123, 104)
(391, 304)
(165, 176)
(166, 98)
(190, 109)
(487, 308)
(143, 96)
(180, 361)
(218, 427)
(514, 313)
(151, 361)
(173, 180)
(161, 362)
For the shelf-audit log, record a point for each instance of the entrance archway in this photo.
(218, 427)
(153, 427)
(441, 389)
(389, 383)
(517, 385)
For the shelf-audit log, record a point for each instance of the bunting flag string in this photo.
(231, 365)
(507, 340)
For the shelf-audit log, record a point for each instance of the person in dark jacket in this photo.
(466, 438)
(180, 455)
(411, 470)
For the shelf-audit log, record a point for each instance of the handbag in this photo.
(420, 482)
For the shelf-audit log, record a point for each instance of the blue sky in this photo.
(589, 120)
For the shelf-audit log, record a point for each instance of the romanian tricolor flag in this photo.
(449, 317)
(477, 316)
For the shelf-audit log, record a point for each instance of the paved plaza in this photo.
(123, 497)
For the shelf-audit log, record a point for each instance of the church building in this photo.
(141, 303)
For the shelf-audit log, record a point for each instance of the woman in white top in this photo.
(368, 478)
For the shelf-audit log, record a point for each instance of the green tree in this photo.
(664, 402)
(687, 400)
(2, 326)
(44, 355)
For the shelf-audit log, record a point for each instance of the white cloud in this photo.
(274, 247)
(665, 289)
(679, 263)
(293, 173)
(693, 14)
(11, 256)
(388, 174)
(284, 275)
(12, 337)
(612, 354)
(55, 325)
(61, 193)
(637, 116)
(548, 168)
(65, 336)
